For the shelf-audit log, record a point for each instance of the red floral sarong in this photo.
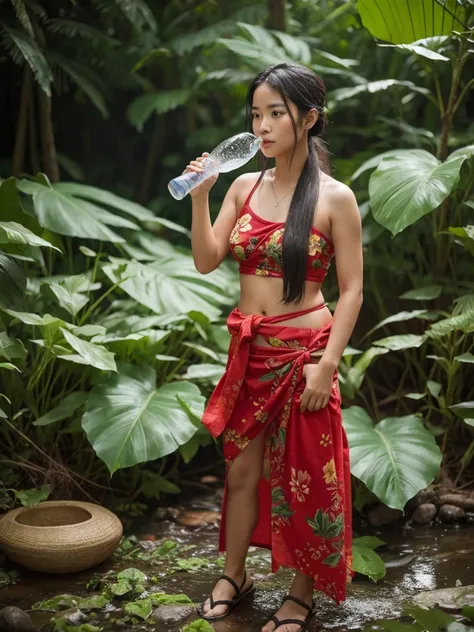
(305, 514)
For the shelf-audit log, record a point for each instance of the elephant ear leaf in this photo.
(128, 420)
(395, 458)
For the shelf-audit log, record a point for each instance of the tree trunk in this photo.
(48, 144)
(35, 164)
(22, 125)
(276, 15)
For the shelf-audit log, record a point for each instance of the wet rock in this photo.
(167, 513)
(15, 620)
(198, 518)
(146, 545)
(465, 501)
(172, 614)
(381, 514)
(424, 496)
(73, 616)
(424, 513)
(451, 513)
(447, 598)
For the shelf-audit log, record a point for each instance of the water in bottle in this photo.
(229, 155)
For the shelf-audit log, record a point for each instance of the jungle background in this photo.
(110, 341)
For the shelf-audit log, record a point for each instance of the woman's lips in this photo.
(267, 143)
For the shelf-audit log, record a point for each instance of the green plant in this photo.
(122, 331)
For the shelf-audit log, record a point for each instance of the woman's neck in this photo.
(288, 167)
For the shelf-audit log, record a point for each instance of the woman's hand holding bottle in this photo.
(195, 166)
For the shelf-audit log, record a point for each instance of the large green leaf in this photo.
(464, 322)
(422, 48)
(464, 235)
(107, 198)
(410, 185)
(69, 405)
(169, 285)
(260, 47)
(372, 87)
(396, 318)
(129, 421)
(404, 22)
(12, 282)
(72, 302)
(67, 215)
(90, 353)
(395, 458)
(141, 108)
(14, 233)
(11, 348)
(400, 342)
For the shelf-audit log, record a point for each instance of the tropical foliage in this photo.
(110, 340)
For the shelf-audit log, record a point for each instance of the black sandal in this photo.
(237, 598)
(304, 624)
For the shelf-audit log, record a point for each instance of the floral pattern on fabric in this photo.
(257, 245)
(304, 494)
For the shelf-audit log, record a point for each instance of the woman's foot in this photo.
(290, 610)
(224, 591)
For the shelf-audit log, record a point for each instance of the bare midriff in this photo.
(261, 296)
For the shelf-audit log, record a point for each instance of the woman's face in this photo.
(272, 121)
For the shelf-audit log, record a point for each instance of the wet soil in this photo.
(417, 559)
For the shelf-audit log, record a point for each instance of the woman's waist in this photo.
(262, 296)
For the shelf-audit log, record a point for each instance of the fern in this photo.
(23, 17)
(23, 48)
(73, 28)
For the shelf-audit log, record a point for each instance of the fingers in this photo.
(311, 401)
(195, 165)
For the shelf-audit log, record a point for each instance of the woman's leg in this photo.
(302, 589)
(241, 519)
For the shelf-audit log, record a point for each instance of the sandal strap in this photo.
(297, 601)
(287, 622)
(233, 584)
(220, 602)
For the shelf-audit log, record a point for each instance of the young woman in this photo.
(278, 403)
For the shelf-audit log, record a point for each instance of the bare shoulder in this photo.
(243, 184)
(338, 195)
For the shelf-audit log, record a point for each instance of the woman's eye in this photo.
(276, 114)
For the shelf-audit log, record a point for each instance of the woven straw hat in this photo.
(60, 536)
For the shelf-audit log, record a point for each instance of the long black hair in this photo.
(306, 90)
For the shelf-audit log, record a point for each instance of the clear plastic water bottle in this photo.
(231, 154)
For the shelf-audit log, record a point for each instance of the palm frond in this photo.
(204, 37)
(23, 17)
(143, 106)
(37, 9)
(73, 28)
(23, 48)
(137, 12)
(84, 78)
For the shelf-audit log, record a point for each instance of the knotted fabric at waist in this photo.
(243, 329)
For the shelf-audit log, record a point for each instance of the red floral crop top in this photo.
(256, 244)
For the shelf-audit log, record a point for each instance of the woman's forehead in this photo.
(264, 95)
